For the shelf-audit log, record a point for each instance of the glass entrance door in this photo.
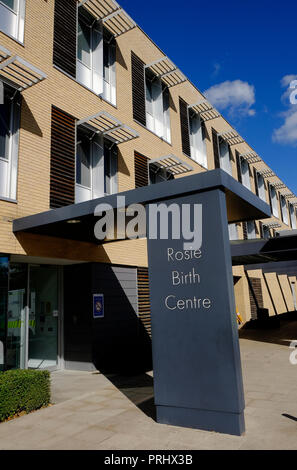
(33, 317)
(43, 317)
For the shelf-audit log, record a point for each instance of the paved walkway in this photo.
(93, 412)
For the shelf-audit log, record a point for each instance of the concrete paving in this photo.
(92, 411)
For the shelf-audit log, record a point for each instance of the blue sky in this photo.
(251, 45)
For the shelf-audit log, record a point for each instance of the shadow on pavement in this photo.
(138, 389)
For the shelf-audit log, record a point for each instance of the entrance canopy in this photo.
(76, 222)
(258, 251)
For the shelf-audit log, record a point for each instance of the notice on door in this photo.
(98, 306)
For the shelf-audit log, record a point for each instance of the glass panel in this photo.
(43, 317)
(261, 187)
(16, 316)
(13, 4)
(245, 173)
(225, 157)
(251, 229)
(5, 118)
(107, 169)
(83, 160)
(84, 43)
(3, 306)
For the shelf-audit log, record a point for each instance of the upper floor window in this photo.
(284, 209)
(157, 106)
(12, 18)
(233, 232)
(9, 136)
(273, 201)
(96, 57)
(261, 186)
(245, 173)
(251, 229)
(292, 216)
(224, 154)
(96, 165)
(265, 231)
(197, 139)
(159, 175)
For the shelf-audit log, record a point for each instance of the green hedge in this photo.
(23, 390)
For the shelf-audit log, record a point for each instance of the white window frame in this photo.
(12, 22)
(197, 139)
(97, 170)
(224, 154)
(245, 175)
(98, 76)
(9, 164)
(261, 187)
(156, 109)
(274, 202)
(284, 209)
(293, 216)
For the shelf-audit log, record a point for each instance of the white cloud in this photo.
(287, 133)
(287, 79)
(237, 97)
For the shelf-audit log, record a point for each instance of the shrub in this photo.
(23, 390)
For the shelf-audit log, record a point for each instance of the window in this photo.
(292, 216)
(96, 59)
(197, 139)
(96, 165)
(12, 18)
(233, 232)
(273, 199)
(251, 229)
(9, 133)
(157, 106)
(265, 231)
(224, 153)
(284, 209)
(159, 175)
(261, 186)
(245, 173)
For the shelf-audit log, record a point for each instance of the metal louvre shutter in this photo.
(184, 124)
(245, 230)
(216, 151)
(138, 91)
(141, 170)
(62, 172)
(65, 24)
(144, 307)
(256, 296)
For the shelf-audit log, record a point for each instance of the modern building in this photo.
(90, 106)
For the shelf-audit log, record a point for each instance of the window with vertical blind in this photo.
(96, 165)
(251, 229)
(224, 154)
(9, 142)
(284, 210)
(260, 185)
(84, 49)
(192, 134)
(273, 201)
(245, 173)
(12, 18)
(197, 139)
(233, 231)
(292, 216)
(157, 106)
